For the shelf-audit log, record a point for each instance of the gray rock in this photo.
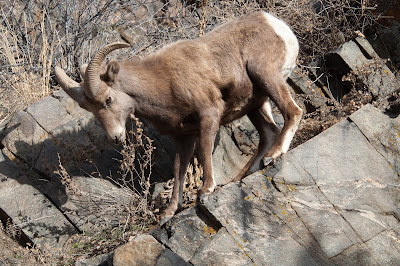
(356, 192)
(250, 221)
(346, 182)
(380, 80)
(24, 137)
(227, 158)
(94, 203)
(382, 133)
(186, 232)
(38, 137)
(8, 168)
(320, 78)
(164, 154)
(333, 199)
(158, 188)
(96, 134)
(367, 47)
(73, 147)
(71, 106)
(244, 134)
(234, 146)
(83, 122)
(321, 203)
(221, 250)
(47, 162)
(169, 258)
(100, 260)
(382, 249)
(304, 85)
(36, 215)
(49, 114)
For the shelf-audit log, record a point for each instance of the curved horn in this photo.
(92, 75)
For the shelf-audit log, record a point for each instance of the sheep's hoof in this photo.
(201, 199)
(268, 161)
(165, 219)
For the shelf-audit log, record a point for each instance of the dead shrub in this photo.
(193, 182)
(136, 169)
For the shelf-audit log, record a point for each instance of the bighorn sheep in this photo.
(191, 87)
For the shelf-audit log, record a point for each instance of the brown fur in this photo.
(191, 87)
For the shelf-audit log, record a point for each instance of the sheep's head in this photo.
(99, 92)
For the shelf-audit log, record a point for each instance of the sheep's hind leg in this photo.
(279, 93)
(184, 151)
(264, 123)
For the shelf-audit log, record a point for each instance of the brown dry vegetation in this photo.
(37, 35)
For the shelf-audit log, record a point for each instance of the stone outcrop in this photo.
(332, 200)
(360, 57)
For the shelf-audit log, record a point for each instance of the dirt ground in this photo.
(11, 253)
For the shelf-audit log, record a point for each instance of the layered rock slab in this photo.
(332, 200)
(34, 214)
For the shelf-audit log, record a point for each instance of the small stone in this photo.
(143, 250)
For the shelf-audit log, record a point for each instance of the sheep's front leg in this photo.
(209, 125)
(184, 151)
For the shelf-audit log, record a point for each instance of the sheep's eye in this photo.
(108, 101)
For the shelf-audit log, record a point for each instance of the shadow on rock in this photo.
(60, 152)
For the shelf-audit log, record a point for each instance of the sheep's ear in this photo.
(112, 70)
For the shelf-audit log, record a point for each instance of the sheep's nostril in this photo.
(116, 140)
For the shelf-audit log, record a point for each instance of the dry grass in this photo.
(37, 35)
(134, 210)
(193, 182)
(25, 73)
(324, 25)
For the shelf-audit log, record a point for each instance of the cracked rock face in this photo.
(333, 200)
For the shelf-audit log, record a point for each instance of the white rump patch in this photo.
(290, 40)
